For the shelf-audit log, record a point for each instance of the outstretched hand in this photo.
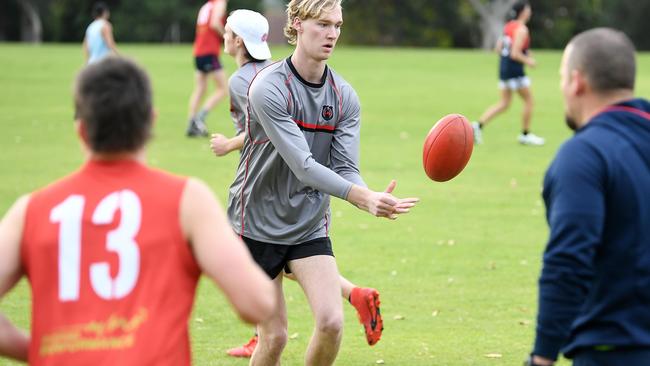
(382, 204)
(402, 205)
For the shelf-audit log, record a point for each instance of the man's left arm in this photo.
(575, 199)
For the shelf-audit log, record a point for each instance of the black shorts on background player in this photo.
(207, 63)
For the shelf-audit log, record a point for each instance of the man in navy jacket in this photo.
(594, 289)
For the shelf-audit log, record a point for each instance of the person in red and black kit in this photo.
(514, 50)
(594, 289)
(210, 24)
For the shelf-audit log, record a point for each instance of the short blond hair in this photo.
(305, 9)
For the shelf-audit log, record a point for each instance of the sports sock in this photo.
(524, 132)
(350, 295)
(202, 114)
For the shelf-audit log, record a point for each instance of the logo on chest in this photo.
(328, 112)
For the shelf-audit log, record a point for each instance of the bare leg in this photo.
(527, 96)
(220, 89)
(366, 303)
(200, 81)
(319, 278)
(494, 110)
(346, 285)
(272, 333)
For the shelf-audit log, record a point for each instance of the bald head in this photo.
(606, 57)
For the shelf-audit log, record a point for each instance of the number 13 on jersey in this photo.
(68, 214)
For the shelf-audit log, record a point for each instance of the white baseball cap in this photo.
(253, 28)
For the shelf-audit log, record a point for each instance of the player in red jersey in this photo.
(207, 49)
(113, 251)
(514, 50)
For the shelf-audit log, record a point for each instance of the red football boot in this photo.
(245, 350)
(366, 301)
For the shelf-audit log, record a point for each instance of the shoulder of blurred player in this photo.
(521, 31)
(238, 83)
(197, 201)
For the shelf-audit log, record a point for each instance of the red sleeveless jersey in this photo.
(112, 277)
(206, 41)
(509, 31)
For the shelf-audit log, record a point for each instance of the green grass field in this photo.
(457, 275)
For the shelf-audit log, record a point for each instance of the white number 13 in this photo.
(121, 240)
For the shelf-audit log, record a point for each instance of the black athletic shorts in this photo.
(207, 63)
(273, 258)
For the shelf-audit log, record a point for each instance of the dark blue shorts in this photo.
(207, 63)
(273, 258)
(510, 69)
(616, 357)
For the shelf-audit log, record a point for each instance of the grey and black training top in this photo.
(238, 88)
(301, 146)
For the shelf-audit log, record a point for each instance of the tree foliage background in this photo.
(417, 23)
(133, 21)
(449, 23)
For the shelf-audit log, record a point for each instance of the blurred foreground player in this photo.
(113, 252)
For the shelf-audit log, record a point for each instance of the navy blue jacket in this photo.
(594, 289)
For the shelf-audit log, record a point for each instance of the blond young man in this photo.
(302, 146)
(245, 37)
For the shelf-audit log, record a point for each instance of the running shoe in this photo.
(366, 301)
(246, 350)
(530, 139)
(478, 134)
(197, 128)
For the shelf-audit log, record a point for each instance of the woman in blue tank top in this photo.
(99, 41)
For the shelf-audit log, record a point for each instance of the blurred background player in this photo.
(207, 48)
(245, 37)
(302, 146)
(594, 289)
(513, 47)
(113, 252)
(98, 42)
